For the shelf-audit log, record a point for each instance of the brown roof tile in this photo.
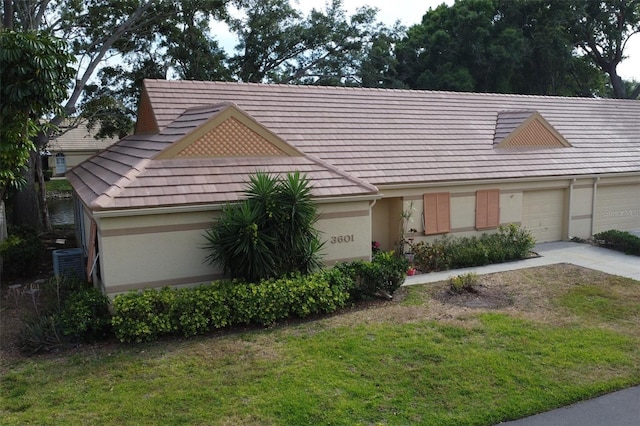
(403, 136)
(351, 136)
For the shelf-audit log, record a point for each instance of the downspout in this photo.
(573, 181)
(371, 204)
(593, 205)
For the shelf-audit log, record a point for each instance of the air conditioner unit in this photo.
(68, 262)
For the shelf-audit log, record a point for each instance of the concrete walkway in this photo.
(601, 259)
(616, 409)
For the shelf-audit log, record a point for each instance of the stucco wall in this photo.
(166, 249)
(622, 198)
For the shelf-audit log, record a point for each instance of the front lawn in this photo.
(564, 334)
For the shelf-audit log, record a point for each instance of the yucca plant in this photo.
(269, 234)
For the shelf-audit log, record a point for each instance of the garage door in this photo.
(543, 214)
(617, 207)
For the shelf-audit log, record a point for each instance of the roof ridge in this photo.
(396, 90)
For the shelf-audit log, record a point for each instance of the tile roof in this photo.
(79, 138)
(133, 173)
(400, 137)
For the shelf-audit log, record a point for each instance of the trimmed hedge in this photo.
(509, 243)
(149, 314)
(619, 241)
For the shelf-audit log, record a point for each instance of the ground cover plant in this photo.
(567, 333)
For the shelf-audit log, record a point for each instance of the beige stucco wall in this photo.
(345, 230)
(72, 158)
(156, 250)
(577, 209)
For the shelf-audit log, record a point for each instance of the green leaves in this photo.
(271, 233)
(35, 74)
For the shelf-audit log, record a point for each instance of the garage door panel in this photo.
(543, 214)
(617, 207)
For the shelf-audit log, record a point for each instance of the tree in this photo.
(505, 46)
(278, 44)
(602, 29)
(98, 30)
(34, 75)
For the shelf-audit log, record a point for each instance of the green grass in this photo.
(58, 185)
(383, 365)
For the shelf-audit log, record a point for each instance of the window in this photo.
(61, 164)
(437, 213)
(487, 209)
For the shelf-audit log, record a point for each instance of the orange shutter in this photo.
(437, 213)
(487, 209)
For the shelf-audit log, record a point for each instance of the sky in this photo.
(410, 12)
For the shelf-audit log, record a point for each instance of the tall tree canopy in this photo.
(279, 44)
(507, 46)
(602, 30)
(35, 73)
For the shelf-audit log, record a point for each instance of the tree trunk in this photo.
(42, 196)
(7, 18)
(25, 209)
(619, 90)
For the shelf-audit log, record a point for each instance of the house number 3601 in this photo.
(341, 239)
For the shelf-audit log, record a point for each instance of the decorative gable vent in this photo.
(231, 139)
(223, 130)
(526, 129)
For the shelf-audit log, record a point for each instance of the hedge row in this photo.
(146, 315)
(618, 240)
(509, 243)
(149, 314)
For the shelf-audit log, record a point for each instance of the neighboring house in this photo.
(466, 162)
(74, 145)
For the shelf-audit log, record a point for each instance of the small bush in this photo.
(84, 316)
(386, 271)
(463, 283)
(64, 311)
(149, 314)
(619, 240)
(509, 243)
(21, 251)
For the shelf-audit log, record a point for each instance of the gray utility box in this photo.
(68, 262)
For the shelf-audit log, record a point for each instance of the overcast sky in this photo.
(410, 12)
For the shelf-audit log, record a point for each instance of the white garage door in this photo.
(617, 207)
(543, 214)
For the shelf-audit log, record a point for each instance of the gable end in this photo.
(229, 133)
(533, 132)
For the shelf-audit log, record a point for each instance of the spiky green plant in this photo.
(271, 233)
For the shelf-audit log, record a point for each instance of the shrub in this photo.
(385, 272)
(463, 283)
(618, 240)
(21, 251)
(84, 316)
(270, 234)
(143, 316)
(64, 311)
(509, 243)
(146, 315)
